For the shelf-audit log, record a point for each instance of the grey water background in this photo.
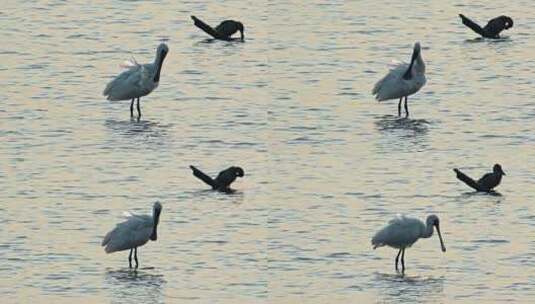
(326, 165)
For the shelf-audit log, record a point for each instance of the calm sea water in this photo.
(326, 165)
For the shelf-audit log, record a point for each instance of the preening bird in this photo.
(486, 183)
(137, 81)
(223, 31)
(402, 231)
(493, 27)
(135, 232)
(222, 181)
(404, 79)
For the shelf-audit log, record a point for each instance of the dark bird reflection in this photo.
(401, 134)
(392, 123)
(130, 286)
(401, 288)
(136, 127)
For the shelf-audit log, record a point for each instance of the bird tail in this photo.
(205, 178)
(466, 179)
(471, 24)
(205, 27)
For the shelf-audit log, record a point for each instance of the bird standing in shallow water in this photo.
(135, 232)
(493, 27)
(403, 80)
(222, 181)
(138, 81)
(486, 183)
(401, 232)
(223, 31)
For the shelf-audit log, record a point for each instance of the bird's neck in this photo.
(154, 235)
(158, 62)
(428, 232)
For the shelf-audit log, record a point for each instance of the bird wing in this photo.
(401, 231)
(227, 28)
(495, 26)
(205, 27)
(392, 85)
(488, 181)
(126, 85)
(225, 178)
(202, 176)
(133, 232)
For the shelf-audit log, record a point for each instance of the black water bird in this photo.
(493, 27)
(223, 31)
(486, 183)
(222, 181)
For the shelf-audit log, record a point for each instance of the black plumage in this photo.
(493, 27)
(486, 183)
(222, 181)
(223, 31)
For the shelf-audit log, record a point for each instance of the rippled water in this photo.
(326, 165)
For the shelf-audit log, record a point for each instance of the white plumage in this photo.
(137, 81)
(136, 231)
(402, 231)
(402, 80)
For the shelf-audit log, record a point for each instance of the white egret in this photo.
(136, 231)
(401, 232)
(138, 81)
(404, 79)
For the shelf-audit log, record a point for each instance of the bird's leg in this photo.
(397, 258)
(132, 108)
(399, 106)
(138, 109)
(406, 106)
(130, 258)
(135, 257)
(403, 261)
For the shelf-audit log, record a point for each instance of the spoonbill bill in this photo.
(137, 81)
(402, 231)
(135, 232)
(402, 80)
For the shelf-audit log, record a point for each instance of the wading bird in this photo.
(486, 183)
(493, 27)
(135, 232)
(138, 81)
(222, 181)
(404, 79)
(401, 232)
(223, 31)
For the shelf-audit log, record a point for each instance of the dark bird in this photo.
(493, 27)
(222, 181)
(223, 31)
(485, 183)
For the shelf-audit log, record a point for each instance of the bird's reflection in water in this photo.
(481, 40)
(393, 123)
(401, 288)
(212, 40)
(137, 128)
(235, 197)
(402, 134)
(131, 286)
